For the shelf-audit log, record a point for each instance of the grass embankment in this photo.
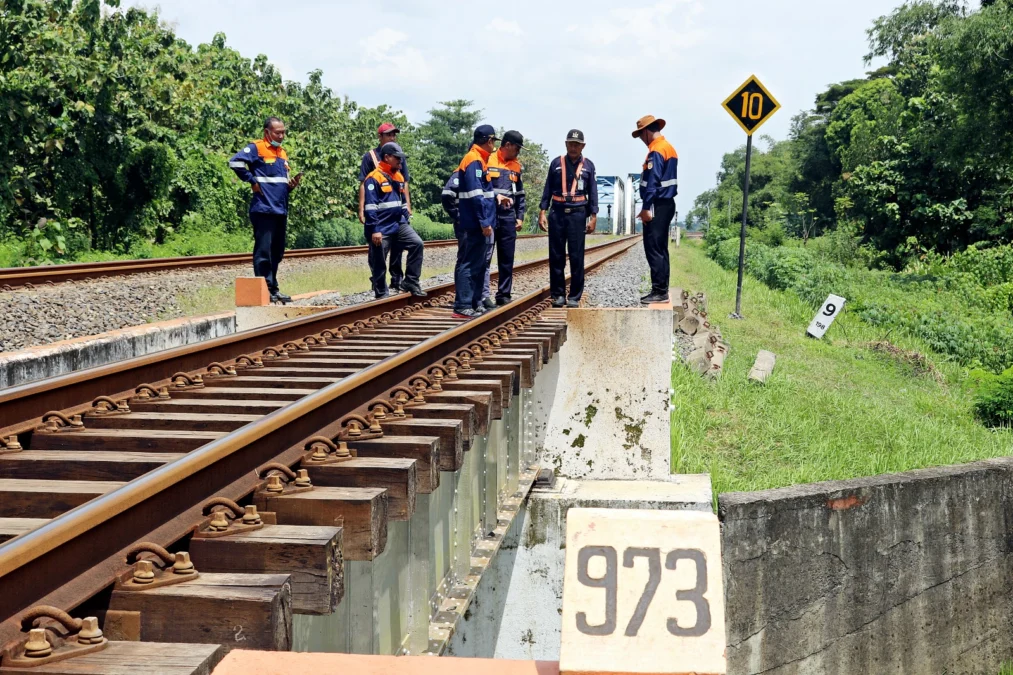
(345, 278)
(833, 409)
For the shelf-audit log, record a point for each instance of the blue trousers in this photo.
(268, 246)
(566, 235)
(505, 236)
(470, 268)
(490, 246)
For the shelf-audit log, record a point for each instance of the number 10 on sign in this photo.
(642, 593)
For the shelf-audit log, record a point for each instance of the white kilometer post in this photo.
(642, 593)
(832, 306)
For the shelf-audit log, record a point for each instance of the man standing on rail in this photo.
(264, 165)
(659, 184)
(387, 133)
(505, 177)
(571, 188)
(386, 222)
(477, 214)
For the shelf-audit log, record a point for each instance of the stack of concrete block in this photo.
(709, 348)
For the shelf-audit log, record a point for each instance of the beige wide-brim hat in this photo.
(646, 121)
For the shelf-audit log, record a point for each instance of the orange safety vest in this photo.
(571, 195)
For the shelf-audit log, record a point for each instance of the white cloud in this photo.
(501, 26)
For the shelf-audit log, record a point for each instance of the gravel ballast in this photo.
(48, 314)
(620, 282)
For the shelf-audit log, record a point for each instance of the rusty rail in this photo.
(14, 277)
(23, 405)
(75, 555)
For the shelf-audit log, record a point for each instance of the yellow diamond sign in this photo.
(751, 105)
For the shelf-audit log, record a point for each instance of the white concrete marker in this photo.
(832, 306)
(642, 593)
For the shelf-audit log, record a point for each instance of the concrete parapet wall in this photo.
(67, 356)
(908, 573)
(517, 609)
(610, 414)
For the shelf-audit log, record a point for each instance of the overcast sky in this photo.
(543, 68)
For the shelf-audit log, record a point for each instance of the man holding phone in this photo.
(264, 165)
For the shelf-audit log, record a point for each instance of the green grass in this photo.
(832, 409)
(343, 278)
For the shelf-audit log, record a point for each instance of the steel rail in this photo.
(19, 276)
(77, 554)
(22, 406)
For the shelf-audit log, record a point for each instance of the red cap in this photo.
(386, 128)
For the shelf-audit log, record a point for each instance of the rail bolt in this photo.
(399, 406)
(90, 633)
(378, 414)
(343, 450)
(182, 564)
(437, 378)
(274, 483)
(374, 425)
(144, 572)
(37, 645)
(250, 515)
(219, 523)
(11, 444)
(302, 479)
(319, 452)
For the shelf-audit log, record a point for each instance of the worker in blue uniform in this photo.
(572, 193)
(659, 184)
(508, 185)
(386, 133)
(386, 222)
(450, 200)
(477, 217)
(264, 165)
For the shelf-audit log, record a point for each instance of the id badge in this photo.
(580, 184)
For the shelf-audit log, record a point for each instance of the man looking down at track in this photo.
(659, 185)
(572, 191)
(386, 223)
(477, 217)
(505, 177)
(264, 165)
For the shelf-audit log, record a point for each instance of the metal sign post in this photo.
(750, 105)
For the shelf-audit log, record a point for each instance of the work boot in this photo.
(488, 303)
(395, 286)
(284, 298)
(380, 295)
(414, 288)
(570, 302)
(480, 310)
(647, 296)
(654, 297)
(464, 314)
(558, 302)
(505, 300)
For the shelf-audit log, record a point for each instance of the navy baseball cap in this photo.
(575, 135)
(514, 137)
(391, 149)
(484, 132)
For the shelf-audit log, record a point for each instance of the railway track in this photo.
(235, 491)
(15, 277)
